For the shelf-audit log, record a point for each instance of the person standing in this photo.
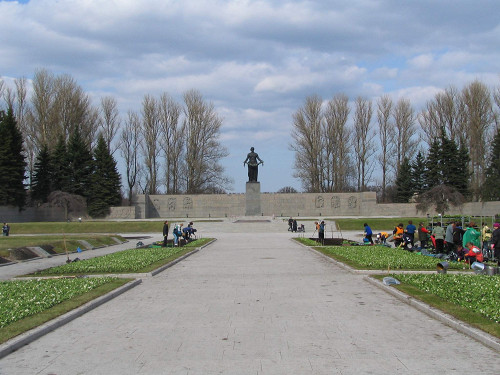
(423, 235)
(495, 241)
(450, 246)
(165, 233)
(321, 231)
(177, 232)
(410, 231)
(5, 229)
(368, 233)
(485, 236)
(439, 233)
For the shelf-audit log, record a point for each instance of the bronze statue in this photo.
(253, 162)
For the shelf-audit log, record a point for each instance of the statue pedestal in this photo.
(252, 198)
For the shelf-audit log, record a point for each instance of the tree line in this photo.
(453, 141)
(66, 144)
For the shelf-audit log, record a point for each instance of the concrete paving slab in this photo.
(254, 303)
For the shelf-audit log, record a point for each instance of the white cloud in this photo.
(255, 60)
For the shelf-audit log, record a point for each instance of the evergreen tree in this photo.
(80, 165)
(60, 166)
(418, 173)
(12, 162)
(491, 187)
(42, 176)
(461, 172)
(432, 174)
(404, 183)
(105, 181)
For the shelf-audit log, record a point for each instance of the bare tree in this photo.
(42, 129)
(443, 112)
(403, 142)
(307, 136)
(2, 87)
(386, 133)
(59, 106)
(129, 147)
(363, 143)
(496, 99)
(338, 140)
(479, 117)
(203, 150)
(151, 145)
(110, 121)
(172, 142)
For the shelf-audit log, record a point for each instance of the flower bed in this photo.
(478, 293)
(20, 299)
(133, 260)
(382, 258)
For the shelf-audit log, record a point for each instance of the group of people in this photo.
(178, 232)
(469, 244)
(5, 229)
(466, 243)
(293, 226)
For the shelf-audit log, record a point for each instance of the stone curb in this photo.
(484, 338)
(30, 336)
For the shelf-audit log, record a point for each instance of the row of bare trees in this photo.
(166, 146)
(335, 152)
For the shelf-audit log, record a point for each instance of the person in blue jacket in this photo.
(368, 233)
(410, 230)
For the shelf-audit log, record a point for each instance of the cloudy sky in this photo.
(256, 61)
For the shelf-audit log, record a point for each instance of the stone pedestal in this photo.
(252, 198)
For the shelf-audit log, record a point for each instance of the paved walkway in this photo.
(254, 303)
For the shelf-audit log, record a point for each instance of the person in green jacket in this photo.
(471, 235)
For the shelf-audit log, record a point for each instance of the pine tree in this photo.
(12, 162)
(105, 181)
(404, 183)
(42, 176)
(418, 173)
(80, 165)
(433, 176)
(60, 166)
(491, 187)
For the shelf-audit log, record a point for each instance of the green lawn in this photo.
(29, 303)
(127, 261)
(134, 226)
(383, 258)
(472, 298)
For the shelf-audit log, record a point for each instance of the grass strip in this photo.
(54, 241)
(473, 299)
(127, 261)
(384, 258)
(26, 321)
(133, 226)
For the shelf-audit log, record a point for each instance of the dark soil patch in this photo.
(329, 241)
(22, 253)
(3, 260)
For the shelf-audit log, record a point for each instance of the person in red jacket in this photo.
(474, 254)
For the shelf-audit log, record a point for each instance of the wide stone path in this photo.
(254, 303)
